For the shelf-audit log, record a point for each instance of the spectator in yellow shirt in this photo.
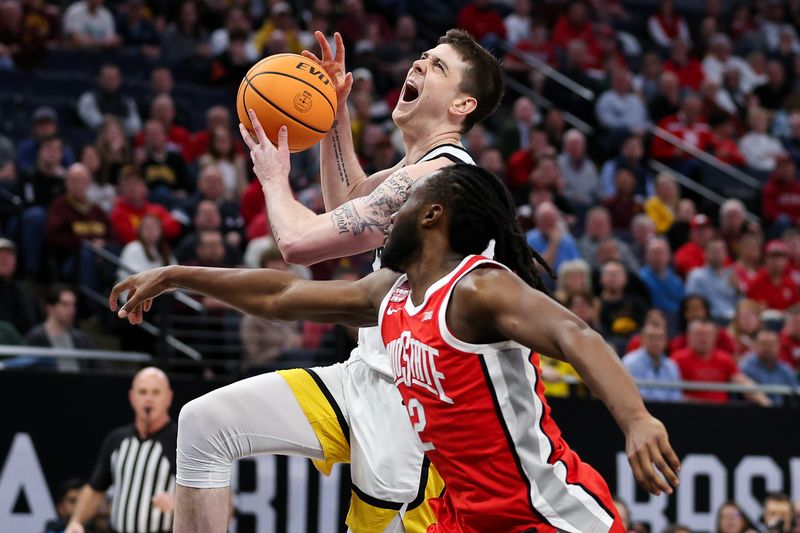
(280, 19)
(661, 207)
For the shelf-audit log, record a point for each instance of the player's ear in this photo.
(464, 105)
(431, 215)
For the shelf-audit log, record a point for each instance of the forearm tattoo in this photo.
(384, 202)
(275, 234)
(337, 152)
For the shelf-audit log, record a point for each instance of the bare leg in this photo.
(259, 415)
(202, 510)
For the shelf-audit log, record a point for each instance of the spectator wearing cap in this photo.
(132, 206)
(280, 20)
(764, 367)
(691, 255)
(44, 125)
(701, 361)
(71, 220)
(716, 282)
(650, 362)
(108, 99)
(666, 287)
(17, 306)
(790, 337)
(780, 199)
(759, 148)
(88, 24)
(773, 286)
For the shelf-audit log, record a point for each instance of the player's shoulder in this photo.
(486, 287)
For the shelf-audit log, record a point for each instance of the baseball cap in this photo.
(6, 244)
(700, 221)
(775, 247)
(45, 113)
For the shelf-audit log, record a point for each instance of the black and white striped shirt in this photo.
(138, 469)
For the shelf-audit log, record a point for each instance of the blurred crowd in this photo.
(131, 159)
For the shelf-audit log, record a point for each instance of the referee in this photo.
(139, 461)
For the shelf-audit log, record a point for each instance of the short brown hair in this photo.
(483, 77)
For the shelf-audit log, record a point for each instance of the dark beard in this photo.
(402, 248)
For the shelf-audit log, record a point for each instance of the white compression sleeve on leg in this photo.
(258, 415)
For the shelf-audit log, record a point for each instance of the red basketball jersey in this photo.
(482, 417)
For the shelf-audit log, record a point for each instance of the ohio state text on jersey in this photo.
(481, 415)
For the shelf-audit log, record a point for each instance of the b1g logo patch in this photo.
(400, 293)
(303, 101)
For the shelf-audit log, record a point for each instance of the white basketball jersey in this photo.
(370, 343)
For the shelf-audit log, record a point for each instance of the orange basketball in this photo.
(290, 90)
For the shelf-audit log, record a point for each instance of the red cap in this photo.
(776, 246)
(700, 221)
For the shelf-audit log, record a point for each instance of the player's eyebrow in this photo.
(436, 60)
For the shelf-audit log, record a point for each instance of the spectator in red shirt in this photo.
(780, 202)
(790, 337)
(791, 237)
(748, 261)
(691, 255)
(132, 205)
(773, 285)
(484, 23)
(215, 116)
(574, 25)
(688, 125)
(696, 307)
(700, 361)
(688, 69)
(537, 45)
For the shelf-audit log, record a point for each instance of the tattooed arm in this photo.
(354, 227)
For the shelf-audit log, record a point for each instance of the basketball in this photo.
(290, 90)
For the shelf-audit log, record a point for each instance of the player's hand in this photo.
(142, 289)
(333, 65)
(649, 453)
(270, 164)
(164, 501)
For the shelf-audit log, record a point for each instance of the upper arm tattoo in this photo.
(383, 202)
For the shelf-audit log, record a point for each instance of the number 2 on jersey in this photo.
(416, 408)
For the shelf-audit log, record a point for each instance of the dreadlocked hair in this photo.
(480, 208)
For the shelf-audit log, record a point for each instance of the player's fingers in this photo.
(247, 137)
(324, 46)
(310, 55)
(260, 135)
(669, 455)
(348, 81)
(133, 300)
(633, 460)
(670, 478)
(337, 38)
(283, 142)
(148, 304)
(118, 289)
(653, 481)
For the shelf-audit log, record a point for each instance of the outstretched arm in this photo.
(506, 307)
(354, 227)
(260, 292)
(341, 175)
